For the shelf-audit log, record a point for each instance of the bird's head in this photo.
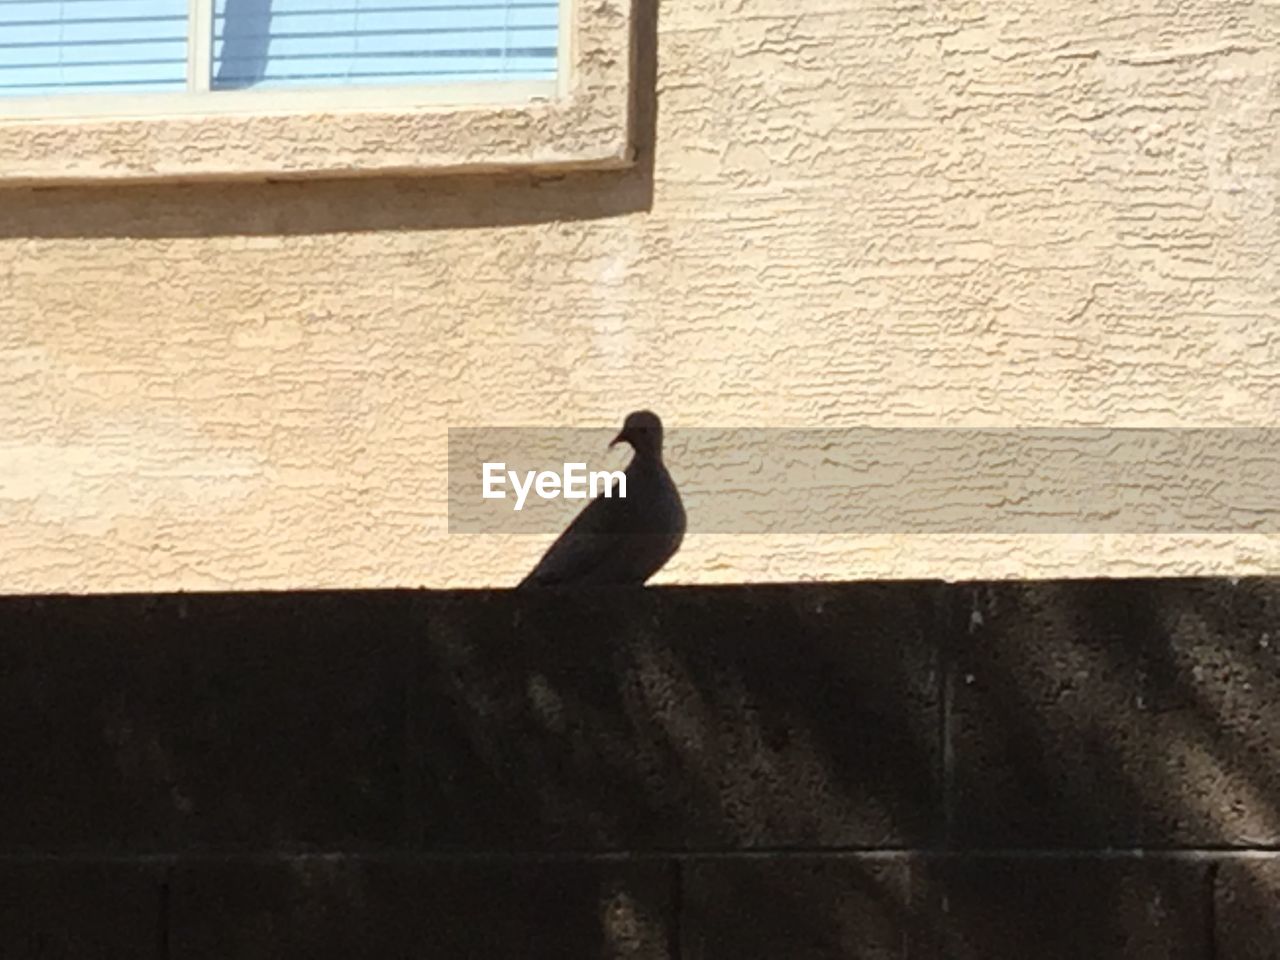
(643, 430)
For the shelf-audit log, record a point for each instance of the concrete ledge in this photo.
(158, 725)
(926, 907)
(777, 906)
(1117, 713)
(801, 908)
(51, 909)
(1077, 908)
(1247, 908)
(684, 718)
(320, 908)
(907, 770)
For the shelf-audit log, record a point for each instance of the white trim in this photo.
(341, 99)
(199, 45)
(565, 52)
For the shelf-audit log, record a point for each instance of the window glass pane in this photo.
(78, 46)
(282, 43)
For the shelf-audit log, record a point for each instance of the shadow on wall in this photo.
(914, 770)
(885, 770)
(681, 719)
(371, 204)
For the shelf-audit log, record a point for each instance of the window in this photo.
(56, 48)
(216, 89)
(309, 42)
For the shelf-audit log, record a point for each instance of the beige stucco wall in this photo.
(855, 213)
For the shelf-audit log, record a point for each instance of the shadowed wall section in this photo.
(919, 770)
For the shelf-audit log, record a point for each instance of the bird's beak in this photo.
(618, 439)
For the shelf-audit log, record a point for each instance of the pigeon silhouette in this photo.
(620, 540)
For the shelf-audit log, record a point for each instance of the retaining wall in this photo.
(919, 770)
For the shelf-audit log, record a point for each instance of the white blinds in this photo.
(308, 42)
(125, 46)
(73, 46)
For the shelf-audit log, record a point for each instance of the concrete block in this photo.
(224, 721)
(66, 910)
(687, 718)
(1074, 908)
(346, 909)
(1116, 714)
(800, 908)
(1247, 908)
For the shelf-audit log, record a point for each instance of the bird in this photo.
(616, 540)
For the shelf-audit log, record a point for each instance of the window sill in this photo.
(583, 123)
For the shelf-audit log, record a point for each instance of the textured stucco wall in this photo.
(846, 213)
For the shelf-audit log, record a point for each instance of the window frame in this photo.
(581, 119)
